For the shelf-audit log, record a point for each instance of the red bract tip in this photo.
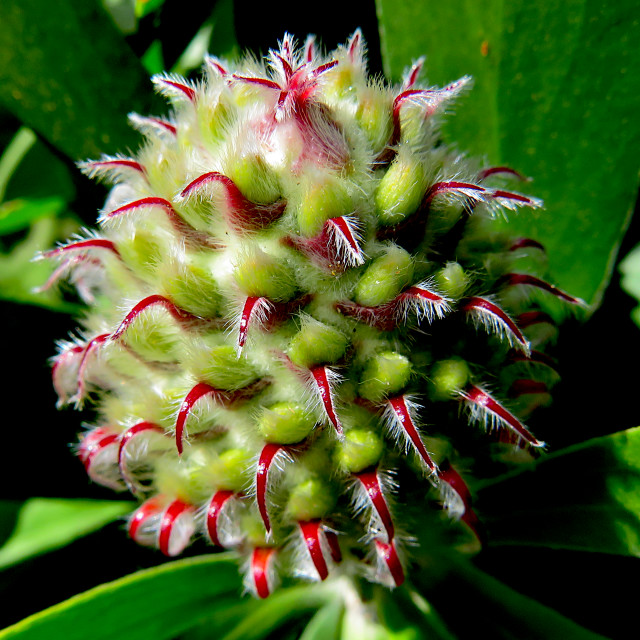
(492, 414)
(216, 65)
(267, 456)
(214, 510)
(263, 571)
(173, 86)
(114, 169)
(388, 556)
(82, 369)
(256, 310)
(176, 528)
(147, 125)
(125, 439)
(98, 454)
(179, 315)
(493, 319)
(413, 74)
(526, 243)
(324, 379)
(459, 190)
(82, 245)
(201, 390)
(371, 484)
(182, 227)
(524, 279)
(243, 214)
(310, 48)
(399, 414)
(311, 531)
(145, 520)
(512, 200)
(423, 300)
(490, 171)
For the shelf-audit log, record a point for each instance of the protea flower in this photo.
(304, 336)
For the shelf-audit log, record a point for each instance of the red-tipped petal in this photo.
(515, 279)
(218, 501)
(267, 456)
(178, 314)
(311, 531)
(401, 416)
(82, 245)
(487, 408)
(175, 531)
(125, 439)
(262, 560)
(494, 320)
(371, 483)
(200, 390)
(389, 556)
(323, 379)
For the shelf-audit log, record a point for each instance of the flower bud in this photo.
(385, 278)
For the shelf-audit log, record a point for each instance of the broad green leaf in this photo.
(556, 96)
(325, 624)
(280, 608)
(585, 497)
(630, 282)
(156, 603)
(16, 150)
(43, 524)
(20, 213)
(20, 276)
(477, 604)
(67, 73)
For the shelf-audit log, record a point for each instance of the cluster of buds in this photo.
(295, 288)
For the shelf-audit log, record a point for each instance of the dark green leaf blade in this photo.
(555, 97)
(154, 603)
(44, 524)
(67, 73)
(585, 497)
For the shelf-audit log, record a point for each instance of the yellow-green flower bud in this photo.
(361, 448)
(385, 278)
(451, 280)
(447, 378)
(387, 373)
(401, 189)
(316, 343)
(219, 365)
(259, 274)
(231, 469)
(323, 198)
(285, 423)
(311, 498)
(255, 179)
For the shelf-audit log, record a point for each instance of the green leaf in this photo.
(325, 624)
(479, 604)
(20, 213)
(585, 497)
(68, 74)
(556, 97)
(43, 524)
(20, 276)
(15, 151)
(156, 603)
(630, 282)
(281, 607)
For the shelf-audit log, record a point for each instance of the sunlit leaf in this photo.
(43, 524)
(556, 97)
(585, 497)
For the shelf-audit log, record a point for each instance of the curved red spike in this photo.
(388, 554)
(88, 350)
(147, 509)
(244, 214)
(93, 443)
(219, 499)
(526, 243)
(400, 412)
(267, 456)
(262, 560)
(200, 390)
(169, 518)
(178, 314)
(490, 409)
(311, 531)
(371, 483)
(322, 376)
(254, 308)
(80, 245)
(515, 279)
(125, 438)
(185, 89)
(466, 189)
(489, 171)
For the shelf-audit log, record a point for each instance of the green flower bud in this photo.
(385, 278)
(400, 190)
(230, 470)
(323, 198)
(311, 498)
(316, 343)
(361, 448)
(387, 373)
(219, 365)
(451, 280)
(255, 179)
(285, 423)
(259, 274)
(447, 378)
